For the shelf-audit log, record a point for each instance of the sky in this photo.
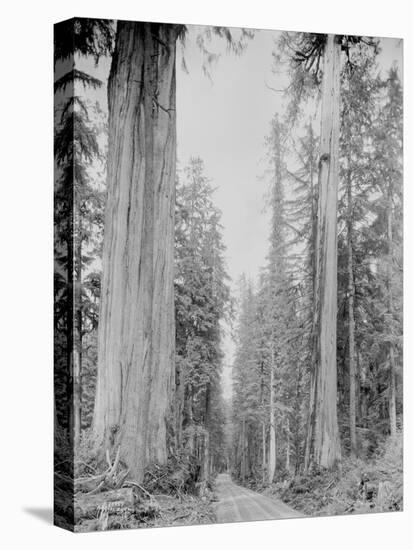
(223, 117)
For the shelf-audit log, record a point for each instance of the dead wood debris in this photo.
(111, 501)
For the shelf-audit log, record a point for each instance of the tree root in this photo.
(109, 479)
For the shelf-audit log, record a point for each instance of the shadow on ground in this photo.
(44, 514)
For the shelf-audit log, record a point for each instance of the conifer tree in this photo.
(246, 383)
(77, 212)
(359, 98)
(388, 155)
(135, 342)
(202, 302)
(78, 199)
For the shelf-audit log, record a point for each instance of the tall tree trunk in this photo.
(69, 322)
(247, 452)
(272, 454)
(206, 438)
(363, 390)
(263, 428)
(323, 441)
(190, 419)
(351, 323)
(136, 328)
(77, 351)
(243, 454)
(297, 421)
(206, 458)
(314, 191)
(179, 405)
(287, 444)
(264, 458)
(392, 368)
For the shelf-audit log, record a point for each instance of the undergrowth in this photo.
(357, 487)
(169, 494)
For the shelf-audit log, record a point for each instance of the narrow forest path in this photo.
(237, 503)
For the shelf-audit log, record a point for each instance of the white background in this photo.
(26, 270)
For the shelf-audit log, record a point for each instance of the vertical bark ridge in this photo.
(351, 321)
(136, 346)
(323, 443)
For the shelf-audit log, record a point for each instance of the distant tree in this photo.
(246, 384)
(202, 302)
(268, 372)
(314, 58)
(360, 88)
(276, 282)
(301, 211)
(366, 331)
(388, 163)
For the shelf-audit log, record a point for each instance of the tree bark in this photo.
(190, 419)
(297, 421)
(392, 369)
(287, 445)
(206, 438)
(77, 351)
(314, 190)
(351, 322)
(243, 453)
(205, 470)
(263, 428)
(69, 322)
(136, 329)
(363, 390)
(272, 454)
(323, 442)
(264, 459)
(179, 405)
(77, 396)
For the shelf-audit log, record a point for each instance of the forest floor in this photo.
(223, 502)
(162, 511)
(237, 503)
(359, 486)
(183, 510)
(169, 496)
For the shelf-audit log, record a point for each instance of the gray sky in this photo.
(224, 119)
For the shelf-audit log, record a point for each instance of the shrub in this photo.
(359, 486)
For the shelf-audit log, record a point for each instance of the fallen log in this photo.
(114, 501)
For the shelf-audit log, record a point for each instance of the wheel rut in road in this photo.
(237, 503)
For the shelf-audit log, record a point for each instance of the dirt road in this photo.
(240, 504)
